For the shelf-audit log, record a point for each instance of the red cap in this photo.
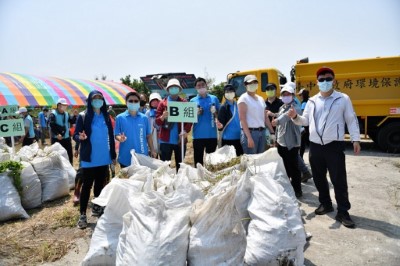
(325, 70)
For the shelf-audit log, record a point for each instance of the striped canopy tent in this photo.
(33, 91)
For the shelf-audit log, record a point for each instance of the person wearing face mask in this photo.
(154, 100)
(95, 135)
(253, 119)
(204, 131)
(170, 133)
(327, 113)
(59, 127)
(133, 131)
(288, 138)
(228, 121)
(273, 103)
(29, 136)
(143, 102)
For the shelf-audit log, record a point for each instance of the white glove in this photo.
(272, 137)
(213, 109)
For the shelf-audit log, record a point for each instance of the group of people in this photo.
(318, 121)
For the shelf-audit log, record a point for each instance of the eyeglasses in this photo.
(325, 79)
(133, 101)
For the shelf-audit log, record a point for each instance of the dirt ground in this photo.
(374, 189)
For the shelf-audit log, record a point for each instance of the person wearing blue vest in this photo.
(97, 151)
(228, 121)
(59, 125)
(29, 136)
(205, 130)
(133, 131)
(43, 124)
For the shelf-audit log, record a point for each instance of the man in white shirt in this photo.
(326, 114)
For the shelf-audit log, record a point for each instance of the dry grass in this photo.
(45, 237)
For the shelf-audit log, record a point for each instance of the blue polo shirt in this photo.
(100, 155)
(136, 129)
(232, 131)
(205, 127)
(42, 119)
(28, 122)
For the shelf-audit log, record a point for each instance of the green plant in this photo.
(15, 169)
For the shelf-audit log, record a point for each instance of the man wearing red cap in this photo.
(327, 113)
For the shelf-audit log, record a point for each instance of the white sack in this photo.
(155, 231)
(140, 159)
(222, 155)
(5, 156)
(71, 172)
(58, 148)
(103, 245)
(217, 236)
(10, 202)
(32, 190)
(276, 231)
(27, 153)
(53, 177)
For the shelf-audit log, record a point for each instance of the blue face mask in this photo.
(133, 106)
(174, 90)
(325, 86)
(97, 103)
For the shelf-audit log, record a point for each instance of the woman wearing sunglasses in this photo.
(133, 131)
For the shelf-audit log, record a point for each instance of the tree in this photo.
(218, 90)
(135, 84)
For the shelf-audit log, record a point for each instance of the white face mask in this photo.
(252, 87)
(202, 91)
(229, 95)
(287, 99)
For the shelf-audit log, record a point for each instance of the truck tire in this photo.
(389, 137)
(373, 135)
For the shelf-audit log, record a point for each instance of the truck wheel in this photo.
(373, 135)
(389, 137)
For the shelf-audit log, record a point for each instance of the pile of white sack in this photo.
(46, 175)
(245, 215)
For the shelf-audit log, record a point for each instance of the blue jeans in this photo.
(258, 139)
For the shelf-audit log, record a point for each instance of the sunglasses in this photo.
(325, 79)
(133, 101)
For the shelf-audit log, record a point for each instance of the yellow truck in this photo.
(373, 85)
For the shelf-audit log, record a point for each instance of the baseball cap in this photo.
(62, 101)
(270, 86)
(229, 87)
(249, 78)
(324, 70)
(287, 88)
(21, 110)
(173, 82)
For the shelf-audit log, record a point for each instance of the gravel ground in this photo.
(374, 190)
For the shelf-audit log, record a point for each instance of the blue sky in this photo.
(87, 38)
